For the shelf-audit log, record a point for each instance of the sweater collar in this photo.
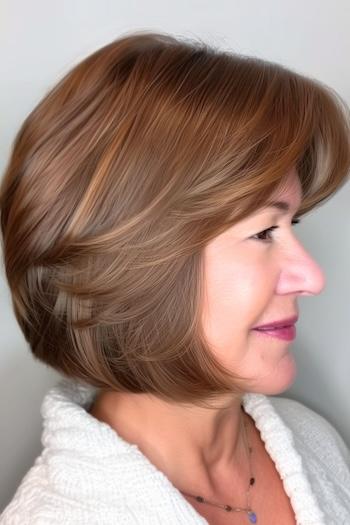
(87, 458)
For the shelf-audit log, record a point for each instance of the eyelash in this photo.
(294, 221)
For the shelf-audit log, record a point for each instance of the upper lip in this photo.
(282, 322)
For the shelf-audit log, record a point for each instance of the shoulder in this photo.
(46, 494)
(313, 432)
(84, 470)
(28, 502)
(38, 499)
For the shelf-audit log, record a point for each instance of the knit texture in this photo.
(87, 474)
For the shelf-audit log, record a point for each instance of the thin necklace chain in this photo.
(228, 508)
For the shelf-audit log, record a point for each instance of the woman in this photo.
(147, 214)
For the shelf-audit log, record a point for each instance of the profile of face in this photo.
(254, 277)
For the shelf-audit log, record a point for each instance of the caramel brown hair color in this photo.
(137, 158)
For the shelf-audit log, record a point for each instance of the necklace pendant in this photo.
(252, 516)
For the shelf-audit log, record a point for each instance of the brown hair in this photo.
(138, 157)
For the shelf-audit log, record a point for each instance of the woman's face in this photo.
(253, 280)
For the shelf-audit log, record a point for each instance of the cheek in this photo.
(235, 298)
(238, 288)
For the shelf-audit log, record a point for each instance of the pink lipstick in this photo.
(283, 329)
(287, 333)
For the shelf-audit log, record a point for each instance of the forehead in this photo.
(288, 195)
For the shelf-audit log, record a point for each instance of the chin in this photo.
(279, 380)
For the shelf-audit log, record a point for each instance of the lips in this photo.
(287, 333)
(269, 328)
(278, 324)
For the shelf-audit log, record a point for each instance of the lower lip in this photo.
(287, 333)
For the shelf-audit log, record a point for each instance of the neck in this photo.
(198, 449)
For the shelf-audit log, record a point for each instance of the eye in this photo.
(269, 230)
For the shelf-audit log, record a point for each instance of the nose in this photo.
(301, 274)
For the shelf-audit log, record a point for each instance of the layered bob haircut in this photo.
(140, 155)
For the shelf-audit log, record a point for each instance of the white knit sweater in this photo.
(87, 474)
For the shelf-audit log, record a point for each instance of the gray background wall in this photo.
(40, 41)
